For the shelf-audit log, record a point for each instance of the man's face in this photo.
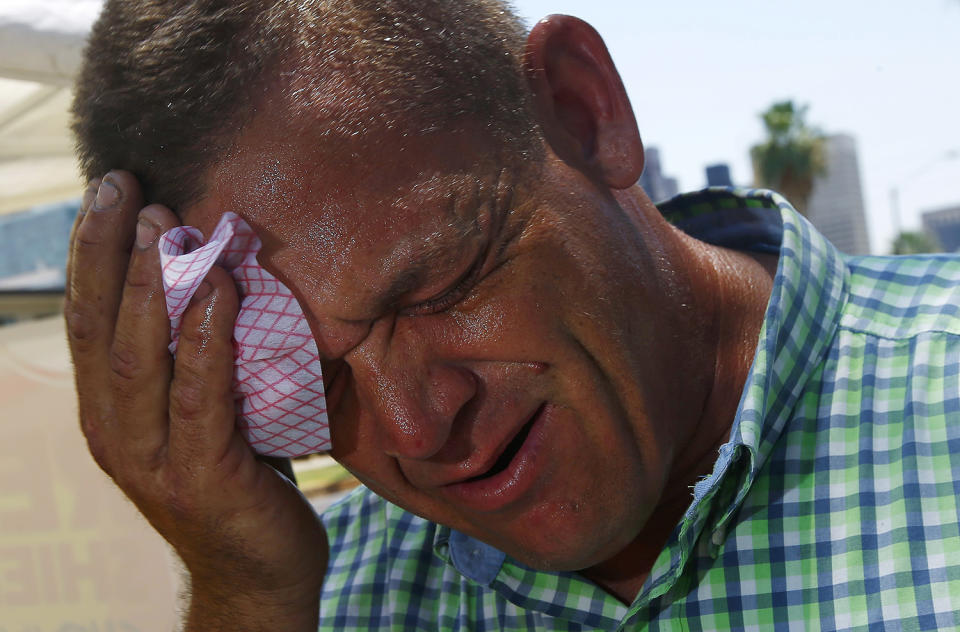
(495, 336)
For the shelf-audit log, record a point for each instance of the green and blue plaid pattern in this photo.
(834, 506)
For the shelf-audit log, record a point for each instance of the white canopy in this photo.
(40, 46)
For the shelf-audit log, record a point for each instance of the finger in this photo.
(89, 195)
(202, 414)
(141, 365)
(99, 256)
(99, 253)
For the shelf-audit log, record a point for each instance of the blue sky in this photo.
(699, 72)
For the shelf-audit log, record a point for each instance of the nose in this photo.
(414, 395)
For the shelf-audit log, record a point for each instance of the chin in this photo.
(568, 542)
(574, 557)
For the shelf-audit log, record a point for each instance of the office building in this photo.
(657, 185)
(718, 175)
(943, 225)
(836, 202)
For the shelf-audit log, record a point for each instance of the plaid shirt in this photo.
(833, 506)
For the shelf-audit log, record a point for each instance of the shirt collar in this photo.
(563, 595)
(809, 291)
(474, 559)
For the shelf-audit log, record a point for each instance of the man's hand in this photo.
(164, 430)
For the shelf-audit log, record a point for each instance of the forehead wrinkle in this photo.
(419, 258)
(411, 186)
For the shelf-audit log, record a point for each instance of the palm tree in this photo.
(792, 156)
(914, 243)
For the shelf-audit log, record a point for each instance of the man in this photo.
(527, 365)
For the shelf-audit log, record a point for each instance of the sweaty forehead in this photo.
(351, 199)
(385, 210)
(283, 167)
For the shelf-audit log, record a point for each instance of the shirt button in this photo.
(718, 537)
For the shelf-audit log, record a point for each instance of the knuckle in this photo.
(190, 394)
(136, 477)
(82, 323)
(140, 278)
(194, 337)
(180, 496)
(125, 362)
(88, 237)
(143, 272)
(156, 460)
(131, 481)
(97, 446)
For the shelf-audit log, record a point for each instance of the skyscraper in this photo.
(658, 186)
(944, 226)
(836, 203)
(718, 175)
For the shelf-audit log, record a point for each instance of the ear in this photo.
(580, 101)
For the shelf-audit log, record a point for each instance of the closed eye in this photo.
(450, 296)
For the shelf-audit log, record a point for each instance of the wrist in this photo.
(219, 609)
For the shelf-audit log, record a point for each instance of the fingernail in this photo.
(107, 196)
(147, 233)
(203, 291)
(89, 195)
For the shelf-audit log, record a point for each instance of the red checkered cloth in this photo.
(281, 408)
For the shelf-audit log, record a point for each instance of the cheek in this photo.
(356, 446)
(516, 314)
(352, 434)
(355, 450)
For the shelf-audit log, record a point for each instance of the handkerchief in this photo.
(277, 383)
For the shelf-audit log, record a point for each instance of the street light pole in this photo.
(895, 210)
(951, 154)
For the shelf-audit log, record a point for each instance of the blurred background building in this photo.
(943, 227)
(656, 184)
(33, 246)
(718, 175)
(33, 255)
(836, 202)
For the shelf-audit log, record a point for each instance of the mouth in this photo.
(513, 448)
(513, 474)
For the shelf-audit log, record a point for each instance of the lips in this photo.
(511, 475)
(508, 454)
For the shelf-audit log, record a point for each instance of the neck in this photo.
(733, 289)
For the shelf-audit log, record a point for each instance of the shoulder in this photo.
(902, 297)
